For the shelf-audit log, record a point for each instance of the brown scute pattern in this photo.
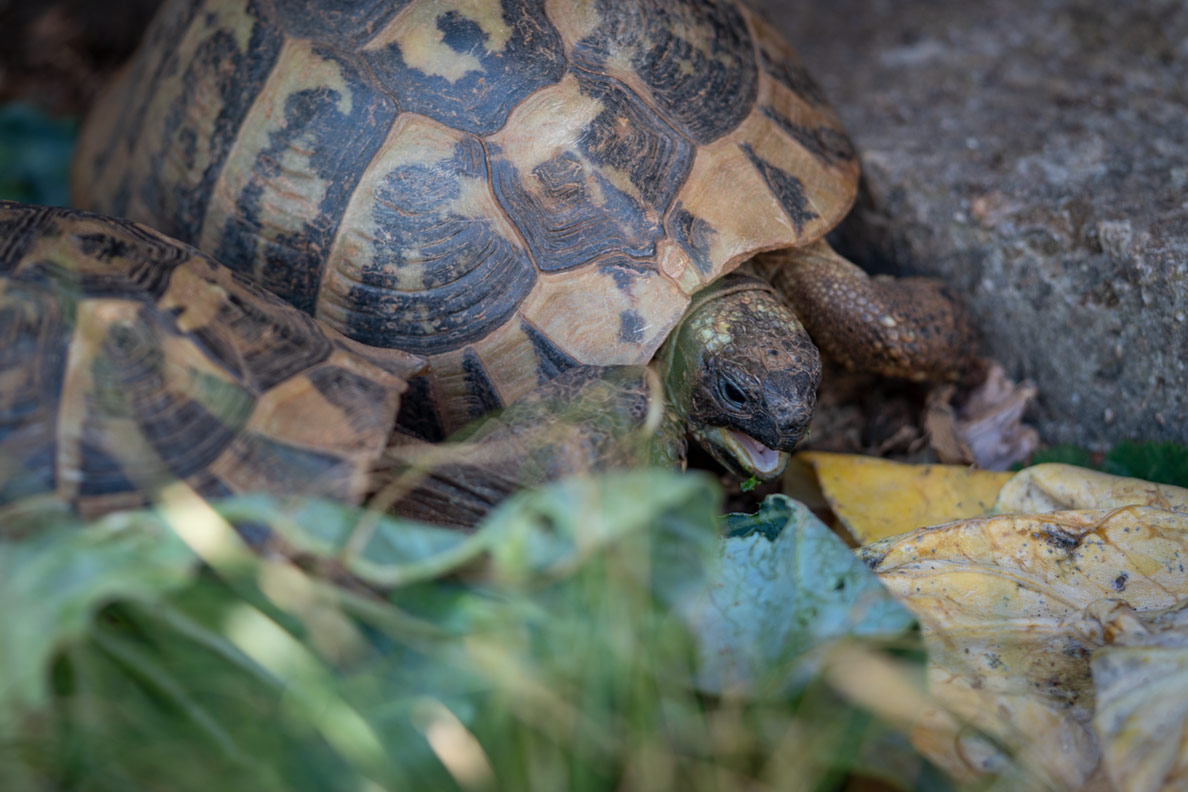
(257, 463)
(132, 380)
(826, 143)
(509, 45)
(905, 327)
(353, 394)
(34, 334)
(694, 60)
(418, 416)
(608, 191)
(217, 86)
(482, 396)
(116, 133)
(109, 395)
(18, 227)
(296, 170)
(438, 274)
(502, 149)
(272, 343)
(779, 62)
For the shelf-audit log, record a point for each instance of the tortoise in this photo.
(515, 189)
(129, 361)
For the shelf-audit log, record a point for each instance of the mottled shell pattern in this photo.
(506, 187)
(129, 361)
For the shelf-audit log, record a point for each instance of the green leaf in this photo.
(1162, 463)
(550, 532)
(787, 586)
(382, 550)
(52, 583)
(1063, 454)
(546, 650)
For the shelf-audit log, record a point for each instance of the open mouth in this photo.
(764, 462)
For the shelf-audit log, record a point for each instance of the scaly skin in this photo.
(895, 327)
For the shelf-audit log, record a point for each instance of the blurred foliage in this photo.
(568, 643)
(1065, 454)
(35, 154)
(1162, 463)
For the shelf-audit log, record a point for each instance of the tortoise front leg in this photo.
(896, 327)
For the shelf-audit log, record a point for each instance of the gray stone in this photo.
(1035, 155)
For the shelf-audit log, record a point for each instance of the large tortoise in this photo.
(130, 362)
(516, 188)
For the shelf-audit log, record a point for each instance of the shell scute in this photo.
(695, 61)
(34, 334)
(585, 170)
(426, 261)
(308, 138)
(467, 64)
(780, 63)
(194, 122)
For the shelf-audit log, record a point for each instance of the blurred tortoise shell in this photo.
(129, 361)
(508, 188)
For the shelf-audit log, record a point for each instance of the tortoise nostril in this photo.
(790, 398)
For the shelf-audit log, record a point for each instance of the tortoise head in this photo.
(744, 373)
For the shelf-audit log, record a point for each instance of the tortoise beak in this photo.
(745, 455)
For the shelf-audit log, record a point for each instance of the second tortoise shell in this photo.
(508, 188)
(130, 362)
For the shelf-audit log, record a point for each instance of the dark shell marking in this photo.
(695, 59)
(130, 361)
(498, 75)
(430, 175)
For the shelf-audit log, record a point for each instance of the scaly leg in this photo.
(897, 327)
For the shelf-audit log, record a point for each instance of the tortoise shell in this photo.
(129, 361)
(506, 187)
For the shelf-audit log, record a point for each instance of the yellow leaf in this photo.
(1007, 608)
(1055, 487)
(875, 498)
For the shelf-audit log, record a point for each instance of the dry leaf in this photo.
(1141, 680)
(875, 498)
(1055, 487)
(1003, 605)
(986, 428)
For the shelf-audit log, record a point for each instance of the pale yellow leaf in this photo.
(1055, 487)
(1028, 741)
(1006, 604)
(1141, 681)
(875, 498)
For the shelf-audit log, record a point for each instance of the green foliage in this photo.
(35, 156)
(571, 642)
(787, 587)
(1162, 463)
(1062, 454)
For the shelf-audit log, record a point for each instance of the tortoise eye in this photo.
(733, 394)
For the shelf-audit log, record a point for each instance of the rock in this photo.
(1035, 155)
